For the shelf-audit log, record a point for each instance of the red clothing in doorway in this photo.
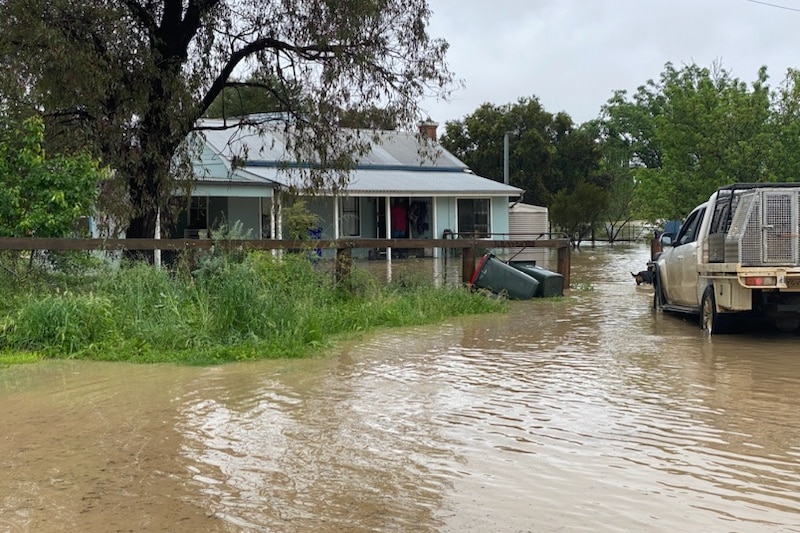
(399, 220)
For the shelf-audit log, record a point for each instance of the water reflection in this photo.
(589, 412)
(320, 447)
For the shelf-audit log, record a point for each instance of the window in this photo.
(688, 232)
(473, 216)
(350, 220)
(198, 213)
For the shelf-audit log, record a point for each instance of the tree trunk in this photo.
(142, 224)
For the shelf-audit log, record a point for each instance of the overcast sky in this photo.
(572, 54)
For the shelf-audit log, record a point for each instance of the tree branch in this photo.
(195, 12)
(141, 14)
(310, 53)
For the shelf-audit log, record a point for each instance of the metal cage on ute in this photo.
(756, 224)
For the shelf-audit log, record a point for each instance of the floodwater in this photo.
(590, 413)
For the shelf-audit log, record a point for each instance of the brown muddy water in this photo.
(590, 413)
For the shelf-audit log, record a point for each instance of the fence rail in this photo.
(343, 247)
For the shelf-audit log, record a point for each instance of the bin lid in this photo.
(477, 271)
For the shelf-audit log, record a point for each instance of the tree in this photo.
(130, 78)
(626, 140)
(784, 153)
(577, 213)
(548, 153)
(690, 132)
(42, 196)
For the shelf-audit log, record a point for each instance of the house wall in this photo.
(323, 208)
(210, 165)
(447, 215)
(499, 216)
(246, 211)
(231, 190)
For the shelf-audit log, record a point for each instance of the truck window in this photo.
(689, 230)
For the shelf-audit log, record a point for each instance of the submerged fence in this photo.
(344, 247)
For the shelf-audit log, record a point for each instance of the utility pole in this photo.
(506, 138)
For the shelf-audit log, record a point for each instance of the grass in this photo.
(232, 308)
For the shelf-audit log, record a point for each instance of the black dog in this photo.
(644, 276)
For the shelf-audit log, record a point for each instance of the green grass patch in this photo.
(232, 308)
(17, 358)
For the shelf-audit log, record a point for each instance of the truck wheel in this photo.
(711, 321)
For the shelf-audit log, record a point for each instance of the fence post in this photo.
(343, 264)
(467, 263)
(564, 258)
(655, 247)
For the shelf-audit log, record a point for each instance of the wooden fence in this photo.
(343, 247)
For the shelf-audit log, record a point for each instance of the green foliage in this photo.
(370, 117)
(129, 80)
(225, 249)
(577, 213)
(692, 131)
(255, 307)
(249, 97)
(63, 323)
(784, 154)
(42, 196)
(298, 220)
(547, 153)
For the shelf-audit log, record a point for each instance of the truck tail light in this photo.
(760, 281)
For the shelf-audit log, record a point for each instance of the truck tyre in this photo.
(711, 321)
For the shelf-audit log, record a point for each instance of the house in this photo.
(398, 189)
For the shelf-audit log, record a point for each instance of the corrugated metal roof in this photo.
(398, 163)
(373, 181)
(268, 144)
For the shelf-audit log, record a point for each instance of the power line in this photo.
(773, 5)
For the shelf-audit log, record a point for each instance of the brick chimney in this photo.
(427, 129)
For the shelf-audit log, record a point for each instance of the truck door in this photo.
(686, 256)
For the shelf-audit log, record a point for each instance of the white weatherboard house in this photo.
(395, 191)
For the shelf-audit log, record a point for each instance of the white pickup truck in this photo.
(736, 255)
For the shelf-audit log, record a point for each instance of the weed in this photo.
(243, 306)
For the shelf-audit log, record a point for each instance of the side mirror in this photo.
(666, 239)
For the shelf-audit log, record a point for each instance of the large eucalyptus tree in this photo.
(130, 78)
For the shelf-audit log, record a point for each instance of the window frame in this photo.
(194, 218)
(480, 233)
(349, 212)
